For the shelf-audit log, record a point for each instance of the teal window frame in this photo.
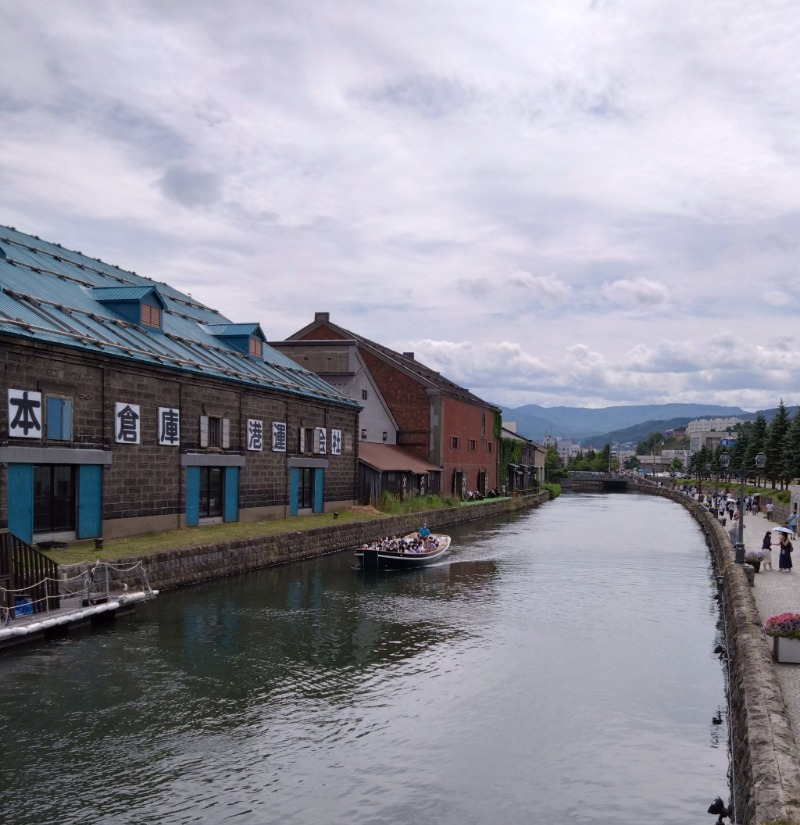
(59, 418)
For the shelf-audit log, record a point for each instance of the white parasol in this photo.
(781, 530)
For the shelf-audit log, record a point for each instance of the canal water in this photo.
(557, 667)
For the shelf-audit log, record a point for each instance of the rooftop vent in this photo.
(322, 316)
(408, 355)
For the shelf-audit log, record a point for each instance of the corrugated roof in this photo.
(387, 458)
(50, 294)
(234, 329)
(124, 293)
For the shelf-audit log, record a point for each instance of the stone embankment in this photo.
(764, 758)
(192, 565)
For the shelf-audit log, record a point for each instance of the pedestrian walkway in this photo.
(776, 592)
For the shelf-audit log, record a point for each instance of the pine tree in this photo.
(757, 441)
(791, 449)
(776, 435)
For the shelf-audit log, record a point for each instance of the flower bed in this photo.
(784, 626)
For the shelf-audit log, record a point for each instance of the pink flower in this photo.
(786, 625)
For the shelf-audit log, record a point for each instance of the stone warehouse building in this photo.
(440, 423)
(131, 408)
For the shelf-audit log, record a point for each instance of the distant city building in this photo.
(566, 448)
(670, 455)
(707, 438)
(700, 425)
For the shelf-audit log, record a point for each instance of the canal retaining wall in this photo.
(765, 766)
(205, 562)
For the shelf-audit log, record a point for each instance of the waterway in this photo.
(557, 667)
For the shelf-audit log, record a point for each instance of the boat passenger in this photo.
(424, 531)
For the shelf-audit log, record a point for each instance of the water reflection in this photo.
(556, 667)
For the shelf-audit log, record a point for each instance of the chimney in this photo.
(322, 317)
(408, 355)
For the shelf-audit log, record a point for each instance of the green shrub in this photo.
(553, 489)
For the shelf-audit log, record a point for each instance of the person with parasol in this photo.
(786, 548)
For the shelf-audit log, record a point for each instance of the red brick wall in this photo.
(324, 333)
(463, 421)
(408, 402)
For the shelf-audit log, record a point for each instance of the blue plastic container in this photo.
(23, 606)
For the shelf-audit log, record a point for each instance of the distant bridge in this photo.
(582, 481)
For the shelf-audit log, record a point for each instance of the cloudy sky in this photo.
(582, 202)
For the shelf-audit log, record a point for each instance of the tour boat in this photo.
(380, 557)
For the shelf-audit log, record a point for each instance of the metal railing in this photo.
(28, 578)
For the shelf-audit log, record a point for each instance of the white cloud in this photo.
(638, 293)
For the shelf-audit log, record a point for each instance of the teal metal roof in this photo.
(125, 293)
(236, 329)
(56, 295)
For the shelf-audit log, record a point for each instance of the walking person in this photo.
(786, 547)
(792, 524)
(766, 550)
(769, 511)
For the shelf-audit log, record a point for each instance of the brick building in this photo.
(529, 468)
(383, 467)
(437, 421)
(133, 408)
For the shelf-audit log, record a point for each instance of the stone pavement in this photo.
(775, 592)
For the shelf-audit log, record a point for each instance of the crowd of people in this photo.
(725, 505)
(422, 542)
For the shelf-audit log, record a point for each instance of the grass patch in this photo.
(393, 505)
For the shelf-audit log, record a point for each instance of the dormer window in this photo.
(140, 305)
(151, 316)
(247, 338)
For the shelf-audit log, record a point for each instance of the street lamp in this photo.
(724, 462)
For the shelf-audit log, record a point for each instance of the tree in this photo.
(757, 440)
(698, 463)
(603, 459)
(553, 468)
(648, 446)
(776, 436)
(791, 449)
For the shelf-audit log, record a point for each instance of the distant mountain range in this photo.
(581, 423)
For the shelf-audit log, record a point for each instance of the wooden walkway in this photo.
(72, 614)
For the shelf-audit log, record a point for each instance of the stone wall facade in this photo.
(144, 484)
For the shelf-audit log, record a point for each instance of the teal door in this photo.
(231, 511)
(294, 490)
(90, 501)
(192, 496)
(20, 501)
(319, 490)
